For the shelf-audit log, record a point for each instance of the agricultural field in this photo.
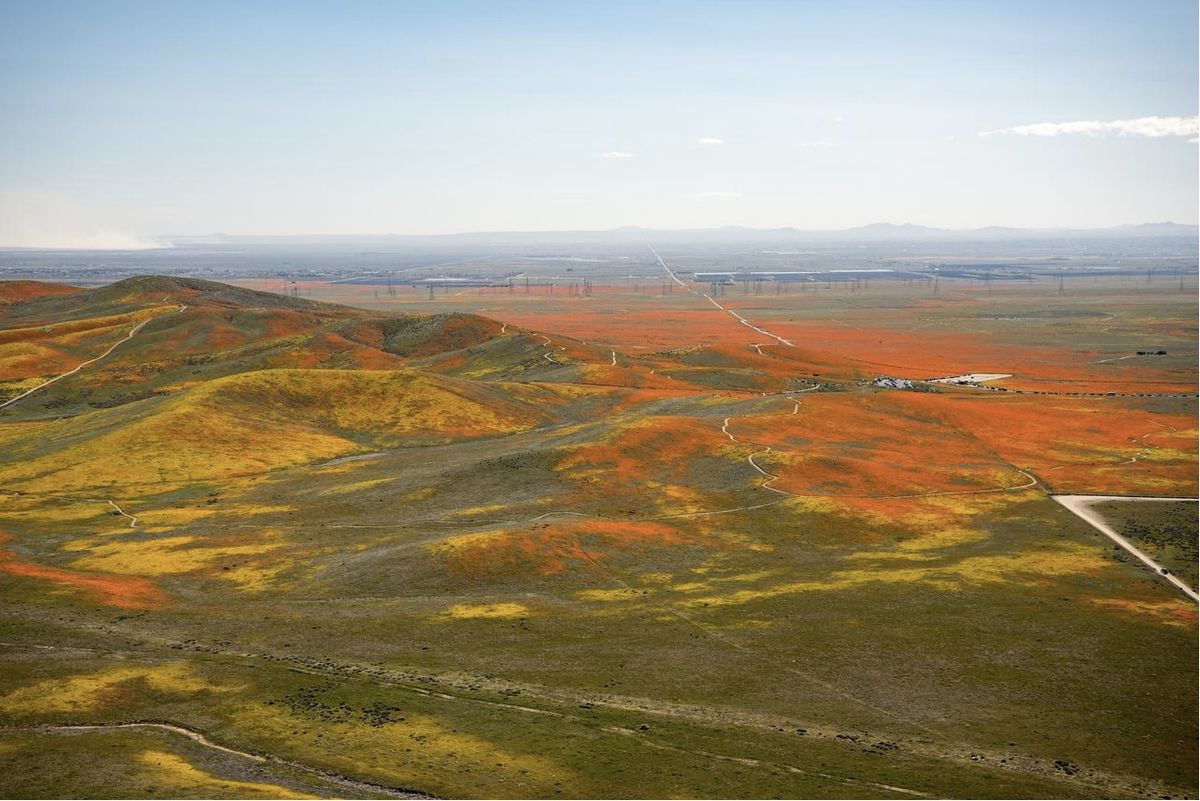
(633, 541)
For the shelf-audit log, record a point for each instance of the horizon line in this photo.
(169, 241)
(725, 227)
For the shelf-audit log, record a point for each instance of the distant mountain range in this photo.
(873, 232)
(910, 231)
(1178, 234)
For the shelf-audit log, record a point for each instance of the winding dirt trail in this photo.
(772, 478)
(197, 737)
(133, 521)
(132, 332)
(1163, 428)
(549, 354)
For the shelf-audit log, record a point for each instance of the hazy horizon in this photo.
(130, 122)
(881, 231)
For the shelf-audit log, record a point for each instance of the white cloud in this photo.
(56, 221)
(614, 154)
(714, 195)
(815, 143)
(710, 141)
(1141, 126)
(838, 118)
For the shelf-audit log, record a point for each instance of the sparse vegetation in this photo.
(1168, 531)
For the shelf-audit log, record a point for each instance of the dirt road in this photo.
(375, 790)
(132, 332)
(1081, 506)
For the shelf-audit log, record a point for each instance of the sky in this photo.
(121, 122)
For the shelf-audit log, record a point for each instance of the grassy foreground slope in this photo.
(448, 555)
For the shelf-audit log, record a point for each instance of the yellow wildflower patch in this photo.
(480, 510)
(159, 557)
(617, 594)
(356, 486)
(1066, 559)
(391, 753)
(500, 610)
(178, 772)
(92, 691)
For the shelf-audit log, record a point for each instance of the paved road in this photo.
(663, 264)
(717, 303)
(1081, 506)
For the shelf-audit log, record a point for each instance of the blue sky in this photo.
(125, 120)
